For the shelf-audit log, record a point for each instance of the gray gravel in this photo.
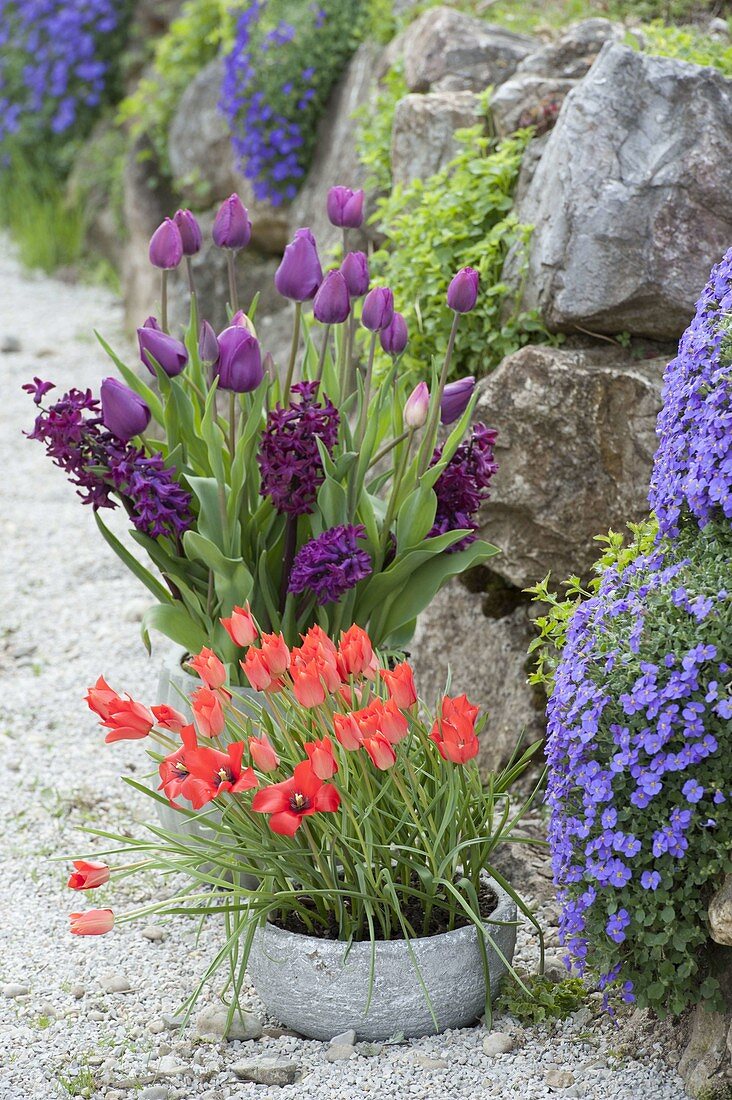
(95, 1013)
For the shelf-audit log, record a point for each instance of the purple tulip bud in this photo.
(166, 246)
(332, 303)
(240, 318)
(240, 360)
(355, 268)
(152, 322)
(124, 413)
(462, 292)
(299, 274)
(208, 345)
(417, 406)
(455, 399)
(231, 227)
(394, 337)
(190, 232)
(345, 207)
(169, 353)
(378, 309)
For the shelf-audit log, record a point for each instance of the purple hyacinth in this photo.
(156, 503)
(289, 459)
(463, 486)
(331, 564)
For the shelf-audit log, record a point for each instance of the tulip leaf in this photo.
(333, 503)
(158, 590)
(175, 623)
(149, 396)
(416, 517)
(212, 509)
(401, 571)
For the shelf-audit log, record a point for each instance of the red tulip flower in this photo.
(127, 721)
(380, 750)
(307, 684)
(322, 760)
(400, 684)
(168, 718)
(95, 922)
(211, 670)
(219, 772)
(454, 732)
(208, 712)
(298, 797)
(88, 874)
(241, 627)
(263, 755)
(392, 722)
(275, 654)
(354, 653)
(348, 732)
(175, 775)
(100, 697)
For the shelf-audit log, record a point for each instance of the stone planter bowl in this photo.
(319, 988)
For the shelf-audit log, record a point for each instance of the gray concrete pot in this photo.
(320, 988)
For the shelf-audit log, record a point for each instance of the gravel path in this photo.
(70, 612)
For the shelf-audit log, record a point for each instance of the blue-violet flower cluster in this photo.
(331, 564)
(463, 486)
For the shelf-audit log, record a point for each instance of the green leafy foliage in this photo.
(556, 611)
(684, 43)
(461, 216)
(540, 999)
(374, 121)
(46, 225)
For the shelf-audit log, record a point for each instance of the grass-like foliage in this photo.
(46, 226)
(545, 999)
(683, 43)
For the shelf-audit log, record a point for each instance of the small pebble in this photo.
(156, 1027)
(155, 1092)
(554, 969)
(154, 933)
(95, 1015)
(115, 983)
(425, 1062)
(559, 1078)
(169, 1066)
(77, 992)
(13, 990)
(11, 345)
(497, 1042)
(211, 1023)
(340, 1053)
(267, 1071)
(345, 1039)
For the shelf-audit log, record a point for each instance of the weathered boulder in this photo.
(528, 100)
(706, 1065)
(446, 50)
(632, 199)
(720, 914)
(423, 132)
(575, 448)
(571, 55)
(203, 162)
(487, 658)
(336, 160)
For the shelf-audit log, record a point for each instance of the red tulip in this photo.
(95, 922)
(322, 760)
(219, 771)
(168, 718)
(454, 732)
(348, 731)
(354, 653)
(394, 725)
(175, 775)
(256, 670)
(208, 666)
(128, 721)
(100, 697)
(88, 875)
(263, 755)
(298, 797)
(275, 653)
(317, 649)
(208, 712)
(307, 684)
(380, 750)
(241, 627)
(400, 685)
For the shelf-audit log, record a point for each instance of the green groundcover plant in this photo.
(359, 815)
(324, 500)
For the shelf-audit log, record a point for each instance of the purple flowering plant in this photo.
(314, 492)
(639, 666)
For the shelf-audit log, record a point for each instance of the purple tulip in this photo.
(355, 268)
(394, 337)
(169, 353)
(240, 360)
(152, 322)
(378, 309)
(462, 292)
(332, 303)
(190, 232)
(417, 406)
(208, 345)
(231, 227)
(299, 274)
(345, 207)
(166, 246)
(124, 413)
(455, 399)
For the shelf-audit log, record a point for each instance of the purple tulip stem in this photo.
(366, 392)
(233, 296)
(348, 379)
(232, 425)
(389, 446)
(293, 352)
(430, 435)
(189, 272)
(164, 300)
(288, 557)
(323, 350)
(395, 487)
(345, 241)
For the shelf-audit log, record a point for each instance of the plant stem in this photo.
(232, 425)
(189, 273)
(348, 381)
(233, 296)
(388, 447)
(393, 497)
(288, 557)
(361, 431)
(293, 352)
(164, 300)
(323, 351)
(430, 435)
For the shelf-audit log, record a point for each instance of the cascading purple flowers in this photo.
(289, 459)
(53, 68)
(331, 564)
(693, 464)
(101, 466)
(464, 484)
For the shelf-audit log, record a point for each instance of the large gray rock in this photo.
(446, 50)
(720, 914)
(486, 657)
(575, 448)
(336, 161)
(632, 200)
(423, 132)
(528, 100)
(571, 55)
(203, 162)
